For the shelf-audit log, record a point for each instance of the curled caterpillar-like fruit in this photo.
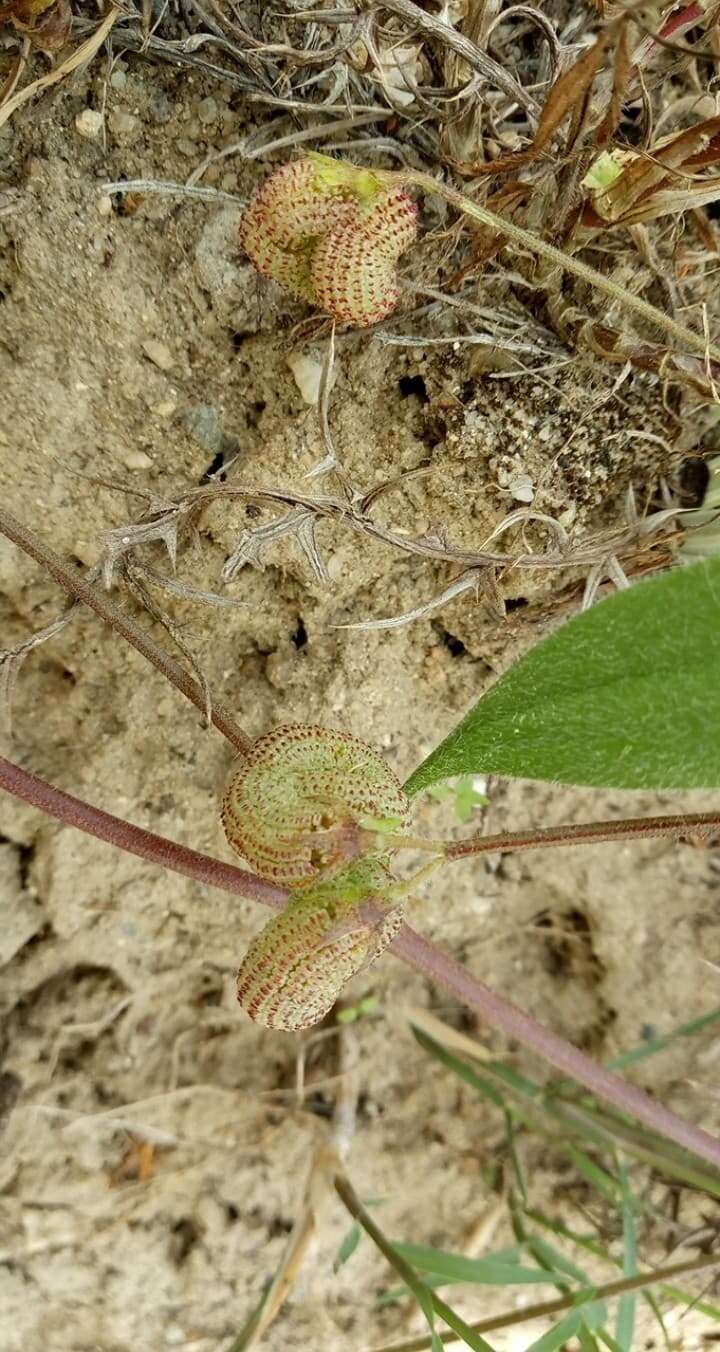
(296, 807)
(296, 968)
(332, 236)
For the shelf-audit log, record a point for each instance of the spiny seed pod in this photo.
(296, 968)
(295, 807)
(331, 235)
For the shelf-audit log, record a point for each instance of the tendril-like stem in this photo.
(586, 833)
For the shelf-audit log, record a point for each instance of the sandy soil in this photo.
(138, 347)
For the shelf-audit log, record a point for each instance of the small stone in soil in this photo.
(158, 353)
(89, 124)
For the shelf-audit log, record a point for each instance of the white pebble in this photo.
(308, 375)
(124, 125)
(207, 111)
(89, 124)
(522, 488)
(134, 459)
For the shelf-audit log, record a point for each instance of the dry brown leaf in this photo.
(570, 93)
(568, 96)
(77, 58)
(635, 193)
(46, 23)
(25, 11)
(621, 71)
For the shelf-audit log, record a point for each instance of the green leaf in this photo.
(658, 1044)
(348, 1246)
(558, 1336)
(455, 1267)
(622, 696)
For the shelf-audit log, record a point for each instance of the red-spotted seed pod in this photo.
(296, 968)
(353, 265)
(333, 240)
(295, 807)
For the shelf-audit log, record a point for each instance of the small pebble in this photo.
(204, 423)
(186, 147)
(118, 79)
(87, 551)
(89, 124)
(158, 353)
(124, 125)
(522, 488)
(207, 111)
(134, 459)
(104, 206)
(165, 409)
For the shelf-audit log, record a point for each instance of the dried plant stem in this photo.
(82, 54)
(587, 833)
(108, 611)
(544, 1308)
(410, 946)
(64, 807)
(683, 337)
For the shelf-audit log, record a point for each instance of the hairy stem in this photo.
(410, 946)
(515, 1023)
(682, 336)
(587, 833)
(107, 610)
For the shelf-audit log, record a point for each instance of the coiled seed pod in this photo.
(296, 807)
(296, 968)
(353, 265)
(333, 238)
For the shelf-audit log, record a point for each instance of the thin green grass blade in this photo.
(658, 1044)
(555, 1261)
(348, 1246)
(674, 1292)
(596, 1176)
(558, 1336)
(453, 1267)
(627, 1304)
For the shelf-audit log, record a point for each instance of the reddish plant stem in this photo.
(107, 610)
(410, 946)
(116, 831)
(502, 1014)
(587, 833)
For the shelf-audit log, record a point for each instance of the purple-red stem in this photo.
(116, 831)
(409, 946)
